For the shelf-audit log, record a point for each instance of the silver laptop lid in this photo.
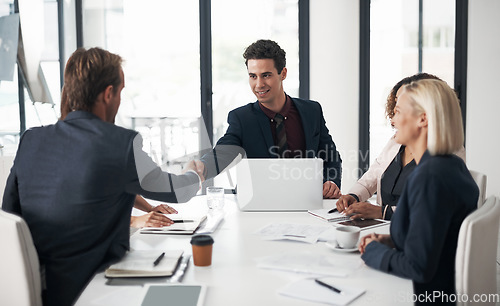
(285, 184)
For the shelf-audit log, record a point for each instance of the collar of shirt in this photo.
(284, 111)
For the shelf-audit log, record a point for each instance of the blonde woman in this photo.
(437, 197)
(388, 174)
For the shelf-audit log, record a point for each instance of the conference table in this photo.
(234, 278)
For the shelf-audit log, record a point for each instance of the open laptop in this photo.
(285, 184)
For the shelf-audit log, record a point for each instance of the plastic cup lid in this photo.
(202, 240)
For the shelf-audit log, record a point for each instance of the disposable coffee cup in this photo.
(347, 236)
(202, 250)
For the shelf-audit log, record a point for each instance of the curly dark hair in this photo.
(391, 99)
(264, 49)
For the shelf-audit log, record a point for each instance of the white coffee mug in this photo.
(347, 236)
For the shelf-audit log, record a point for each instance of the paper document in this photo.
(298, 232)
(211, 224)
(307, 262)
(307, 289)
(330, 217)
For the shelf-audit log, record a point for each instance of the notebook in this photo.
(325, 214)
(182, 226)
(142, 264)
(285, 184)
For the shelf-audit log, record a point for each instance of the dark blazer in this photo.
(249, 133)
(438, 195)
(74, 183)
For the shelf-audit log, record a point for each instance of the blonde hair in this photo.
(440, 104)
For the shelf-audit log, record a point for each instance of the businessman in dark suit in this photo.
(277, 125)
(75, 182)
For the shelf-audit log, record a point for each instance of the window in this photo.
(159, 42)
(36, 114)
(235, 25)
(394, 48)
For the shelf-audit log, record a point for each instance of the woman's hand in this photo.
(366, 240)
(344, 202)
(151, 219)
(363, 210)
(164, 209)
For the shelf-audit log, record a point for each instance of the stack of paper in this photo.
(289, 231)
(311, 263)
(307, 289)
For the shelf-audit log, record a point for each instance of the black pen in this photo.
(182, 221)
(332, 210)
(157, 261)
(328, 286)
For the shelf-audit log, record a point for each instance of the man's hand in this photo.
(164, 209)
(364, 210)
(331, 190)
(197, 166)
(200, 169)
(344, 201)
(151, 219)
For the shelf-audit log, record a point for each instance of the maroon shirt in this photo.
(295, 136)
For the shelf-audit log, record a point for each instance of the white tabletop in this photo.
(234, 278)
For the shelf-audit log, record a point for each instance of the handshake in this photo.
(197, 166)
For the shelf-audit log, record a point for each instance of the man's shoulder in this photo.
(305, 103)
(245, 110)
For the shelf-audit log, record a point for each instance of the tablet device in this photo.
(364, 223)
(174, 295)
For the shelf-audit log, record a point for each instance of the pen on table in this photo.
(298, 236)
(328, 286)
(332, 210)
(157, 261)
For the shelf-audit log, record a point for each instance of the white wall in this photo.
(334, 49)
(483, 98)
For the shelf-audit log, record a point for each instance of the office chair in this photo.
(475, 263)
(480, 180)
(20, 282)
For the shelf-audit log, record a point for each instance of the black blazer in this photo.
(74, 183)
(249, 133)
(438, 195)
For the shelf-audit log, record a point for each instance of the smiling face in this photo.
(406, 121)
(265, 82)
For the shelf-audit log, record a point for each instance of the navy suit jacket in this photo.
(249, 133)
(438, 195)
(74, 183)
